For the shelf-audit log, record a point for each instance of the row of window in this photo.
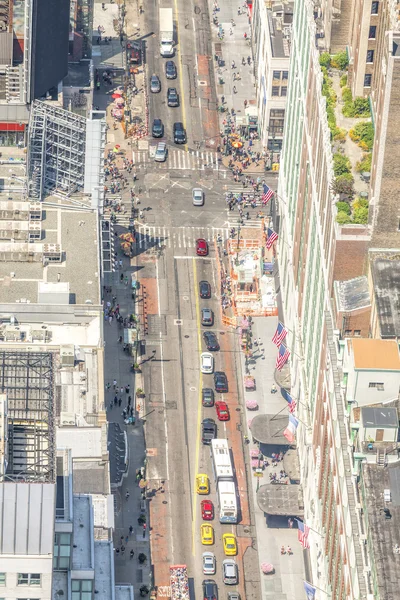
(23, 579)
(279, 90)
(278, 75)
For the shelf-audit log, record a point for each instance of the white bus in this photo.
(223, 473)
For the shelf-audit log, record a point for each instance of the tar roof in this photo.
(376, 355)
(379, 417)
(386, 278)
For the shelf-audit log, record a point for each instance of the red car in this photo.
(222, 411)
(201, 247)
(207, 510)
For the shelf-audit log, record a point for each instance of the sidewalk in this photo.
(287, 579)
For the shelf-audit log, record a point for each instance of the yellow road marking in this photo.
(195, 499)
(178, 49)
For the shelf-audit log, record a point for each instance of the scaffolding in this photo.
(56, 151)
(27, 380)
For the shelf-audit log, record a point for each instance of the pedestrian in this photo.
(119, 401)
(110, 318)
(289, 550)
(108, 385)
(230, 31)
(121, 277)
(127, 389)
(121, 390)
(122, 549)
(223, 99)
(131, 553)
(127, 494)
(243, 60)
(126, 539)
(234, 89)
(245, 103)
(129, 400)
(234, 76)
(117, 551)
(245, 35)
(248, 60)
(130, 530)
(115, 399)
(115, 384)
(121, 539)
(233, 65)
(120, 264)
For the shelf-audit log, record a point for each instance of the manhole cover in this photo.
(193, 389)
(202, 82)
(185, 297)
(187, 336)
(178, 322)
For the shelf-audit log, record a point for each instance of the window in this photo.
(275, 90)
(28, 578)
(2, 579)
(379, 386)
(82, 589)
(276, 74)
(285, 75)
(284, 90)
(374, 8)
(357, 332)
(367, 80)
(62, 551)
(347, 332)
(372, 32)
(277, 113)
(370, 56)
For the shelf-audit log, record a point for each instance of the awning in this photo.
(291, 465)
(282, 500)
(268, 429)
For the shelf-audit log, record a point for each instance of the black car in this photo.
(207, 397)
(210, 590)
(170, 70)
(179, 133)
(158, 128)
(220, 382)
(211, 340)
(208, 431)
(205, 289)
(172, 97)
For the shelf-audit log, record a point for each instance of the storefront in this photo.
(12, 134)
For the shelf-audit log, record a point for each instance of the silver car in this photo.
(161, 152)
(155, 84)
(229, 572)
(198, 197)
(209, 563)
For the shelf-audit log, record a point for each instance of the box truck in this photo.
(166, 32)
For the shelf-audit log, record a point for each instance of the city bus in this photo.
(226, 488)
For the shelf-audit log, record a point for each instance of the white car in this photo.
(206, 362)
(209, 567)
(229, 572)
(161, 152)
(198, 197)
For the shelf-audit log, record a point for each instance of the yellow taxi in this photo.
(207, 534)
(202, 484)
(230, 545)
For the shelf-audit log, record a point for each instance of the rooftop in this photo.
(123, 592)
(91, 477)
(60, 585)
(104, 570)
(280, 19)
(268, 429)
(82, 557)
(379, 417)
(377, 355)
(385, 269)
(284, 500)
(382, 489)
(84, 442)
(352, 294)
(78, 75)
(27, 380)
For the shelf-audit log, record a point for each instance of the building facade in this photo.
(272, 33)
(307, 246)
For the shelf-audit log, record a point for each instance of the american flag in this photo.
(290, 431)
(267, 194)
(279, 334)
(272, 236)
(291, 401)
(282, 357)
(302, 534)
(310, 590)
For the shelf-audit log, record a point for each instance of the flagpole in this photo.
(311, 529)
(296, 399)
(318, 588)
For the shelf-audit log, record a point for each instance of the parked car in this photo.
(155, 84)
(201, 247)
(220, 382)
(170, 70)
(229, 572)
(204, 289)
(206, 534)
(222, 410)
(209, 565)
(207, 397)
(207, 317)
(211, 341)
(208, 431)
(210, 590)
(172, 97)
(179, 133)
(198, 197)
(207, 510)
(161, 152)
(206, 362)
(157, 129)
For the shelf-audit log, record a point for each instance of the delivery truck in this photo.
(166, 32)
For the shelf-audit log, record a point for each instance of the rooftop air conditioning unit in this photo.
(67, 355)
